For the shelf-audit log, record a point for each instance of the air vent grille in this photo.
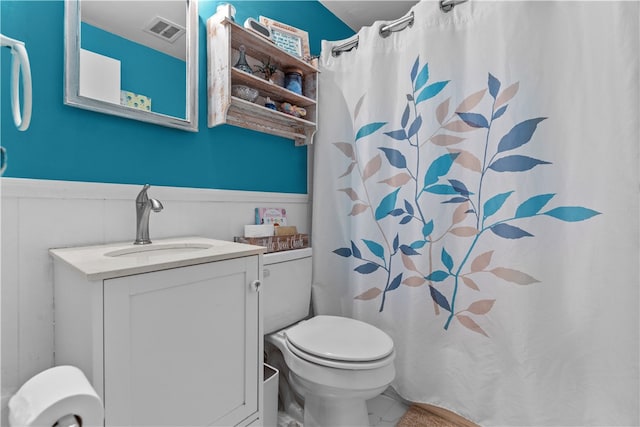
(164, 29)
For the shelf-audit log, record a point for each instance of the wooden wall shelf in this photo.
(224, 38)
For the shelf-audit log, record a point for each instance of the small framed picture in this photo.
(290, 39)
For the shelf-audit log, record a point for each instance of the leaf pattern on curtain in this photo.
(479, 213)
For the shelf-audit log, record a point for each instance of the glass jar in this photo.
(242, 61)
(293, 81)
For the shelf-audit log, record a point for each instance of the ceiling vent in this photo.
(164, 29)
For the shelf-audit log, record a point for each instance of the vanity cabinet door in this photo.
(181, 346)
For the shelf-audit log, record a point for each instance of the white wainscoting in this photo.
(37, 215)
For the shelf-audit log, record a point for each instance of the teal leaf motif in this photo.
(474, 120)
(494, 86)
(387, 204)
(375, 248)
(395, 157)
(427, 229)
(369, 129)
(516, 164)
(367, 268)
(395, 283)
(443, 189)
(492, 205)
(532, 206)
(446, 259)
(439, 167)
(439, 298)
(509, 231)
(571, 213)
(437, 276)
(431, 91)
(422, 78)
(519, 135)
(418, 244)
(344, 252)
(399, 135)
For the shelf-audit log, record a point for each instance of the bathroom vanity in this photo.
(168, 333)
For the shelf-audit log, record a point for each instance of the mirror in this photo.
(135, 59)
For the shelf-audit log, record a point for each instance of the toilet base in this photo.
(325, 412)
(333, 408)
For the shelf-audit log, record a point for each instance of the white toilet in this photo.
(335, 363)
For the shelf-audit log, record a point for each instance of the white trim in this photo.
(51, 189)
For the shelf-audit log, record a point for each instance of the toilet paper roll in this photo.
(54, 394)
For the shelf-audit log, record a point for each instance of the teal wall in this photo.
(143, 70)
(67, 143)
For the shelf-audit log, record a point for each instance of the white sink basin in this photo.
(124, 259)
(159, 249)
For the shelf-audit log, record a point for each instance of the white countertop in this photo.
(124, 259)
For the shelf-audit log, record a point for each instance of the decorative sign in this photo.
(290, 39)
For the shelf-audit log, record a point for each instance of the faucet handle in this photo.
(142, 195)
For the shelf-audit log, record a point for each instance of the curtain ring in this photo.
(398, 25)
(448, 5)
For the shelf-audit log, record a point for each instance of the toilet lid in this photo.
(340, 338)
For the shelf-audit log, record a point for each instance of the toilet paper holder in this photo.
(61, 396)
(69, 420)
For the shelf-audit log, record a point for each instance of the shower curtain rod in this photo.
(399, 25)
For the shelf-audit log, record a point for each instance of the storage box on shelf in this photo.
(224, 38)
(277, 243)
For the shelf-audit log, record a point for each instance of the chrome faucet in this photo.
(144, 206)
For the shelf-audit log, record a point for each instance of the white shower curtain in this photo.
(476, 196)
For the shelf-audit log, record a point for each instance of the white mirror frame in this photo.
(72, 77)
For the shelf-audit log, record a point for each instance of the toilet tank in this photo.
(286, 288)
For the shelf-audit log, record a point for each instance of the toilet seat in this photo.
(340, 342)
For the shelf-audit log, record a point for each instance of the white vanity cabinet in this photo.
(179, 346)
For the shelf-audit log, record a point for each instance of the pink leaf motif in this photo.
(470, 283)
(470, 101)
(469, 323)
(445, 140)
(397, 180)
(442, 111)
(507, 94)
(481, 307)
(349, 170)
(413, 281)
(351, 193)
(369, 294)
(467, 160)
(357, 209)
(372, 167)
(460, 213)
(458, 126)
(346, 148)
(464, 231)
(514, 276)
(481, 262)
(408, 263)
(356, 111)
